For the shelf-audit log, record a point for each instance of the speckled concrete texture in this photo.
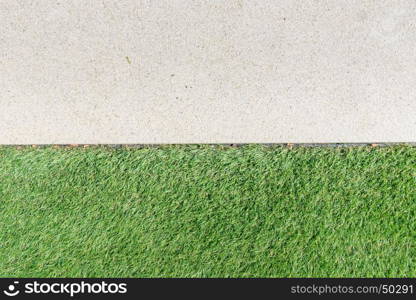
(212, 71)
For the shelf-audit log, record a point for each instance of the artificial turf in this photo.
(208, 211)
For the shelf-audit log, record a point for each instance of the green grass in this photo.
(189, 211)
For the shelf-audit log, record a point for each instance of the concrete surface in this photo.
(212, 71)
